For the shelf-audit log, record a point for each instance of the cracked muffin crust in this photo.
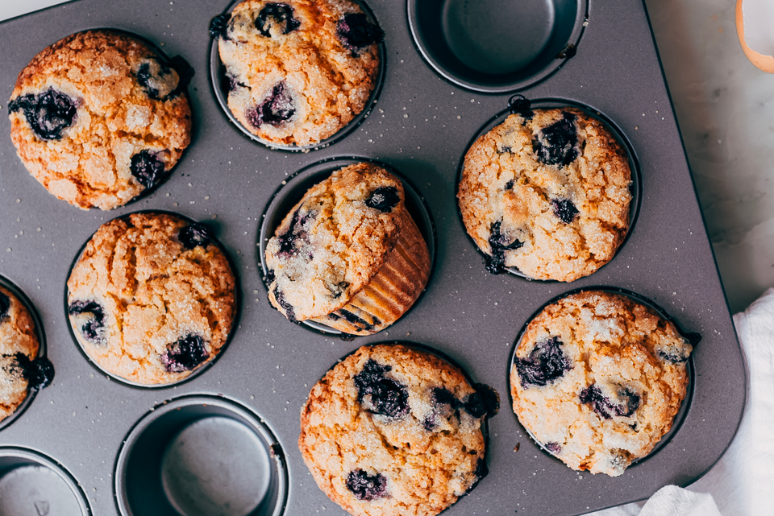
(152, 298)
(598, 379)
(98, 117)
(18, 347)
(394, 430)
(547, 192)
(298, 71)
(348, 255)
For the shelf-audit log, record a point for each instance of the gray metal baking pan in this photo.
(421, 124)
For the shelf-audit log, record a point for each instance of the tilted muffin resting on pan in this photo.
(298, 71)
(547, 192)
(98, 118)
(348, 255)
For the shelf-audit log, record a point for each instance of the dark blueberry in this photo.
(219, 26)
(185, 73)
(276, 14)
(295, 232)
(269, 279)
(443, 396)
(384, 198)
(564, 209)
(553, 447)
(430, 422)
(194, 235)
(545, 364)
(520, 105)
(674, 356)
(499, 242)
(275, 110)
(505, 149)
(49, 114)
(388, 397)
(39, 372)
(366, 487)
(5, 305)
(338, 289)
(289, 310)
(509, 184)
(555, 144)
(485, 401)
(147, 168)
(356, 32)
(568, 52)
(627, 404)
(93, 329)
(185, 354)
(145, 77)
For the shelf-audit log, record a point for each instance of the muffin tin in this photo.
(421, 125)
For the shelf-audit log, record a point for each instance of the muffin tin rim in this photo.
(215, 74)
(685, 405)
(259, 425)
(327, 165)
(51, 464)
(635, 184)
(199, 369)
(579, 28)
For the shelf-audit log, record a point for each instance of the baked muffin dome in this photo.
(547, 192)
(598, 379)
(152, 298)
(348, 255)
(98, 118)
(298, 71)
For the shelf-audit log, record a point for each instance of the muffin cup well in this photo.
(383, 297)
(199, 369)
(40, 334)
(496, 47)
(693, 338)
(29, 479)
(220, 88)
(518, 103)
(197, 455)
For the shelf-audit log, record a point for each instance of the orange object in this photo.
(762, 61)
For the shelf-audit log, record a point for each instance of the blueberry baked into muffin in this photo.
(20, 368)
(394, 430)
(152, 298)
(547, 192)
(598, 379)
(298, 71)
(98, 118)
(348, 255)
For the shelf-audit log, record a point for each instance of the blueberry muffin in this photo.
(547, 192)
(394, 430)
(18, 348)
(98, 118)
(299, 71)
(348, 255)
(151, 298)
(598, 379)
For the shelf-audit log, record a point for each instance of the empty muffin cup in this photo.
(198, 456)
(287, 91)
(32, 483)
(24, 368)
(362, 315)
(635, 422)
(493, 46)
(550, 218)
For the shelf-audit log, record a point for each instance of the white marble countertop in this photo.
(725, 108)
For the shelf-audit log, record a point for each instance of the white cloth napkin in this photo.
(742, 482)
